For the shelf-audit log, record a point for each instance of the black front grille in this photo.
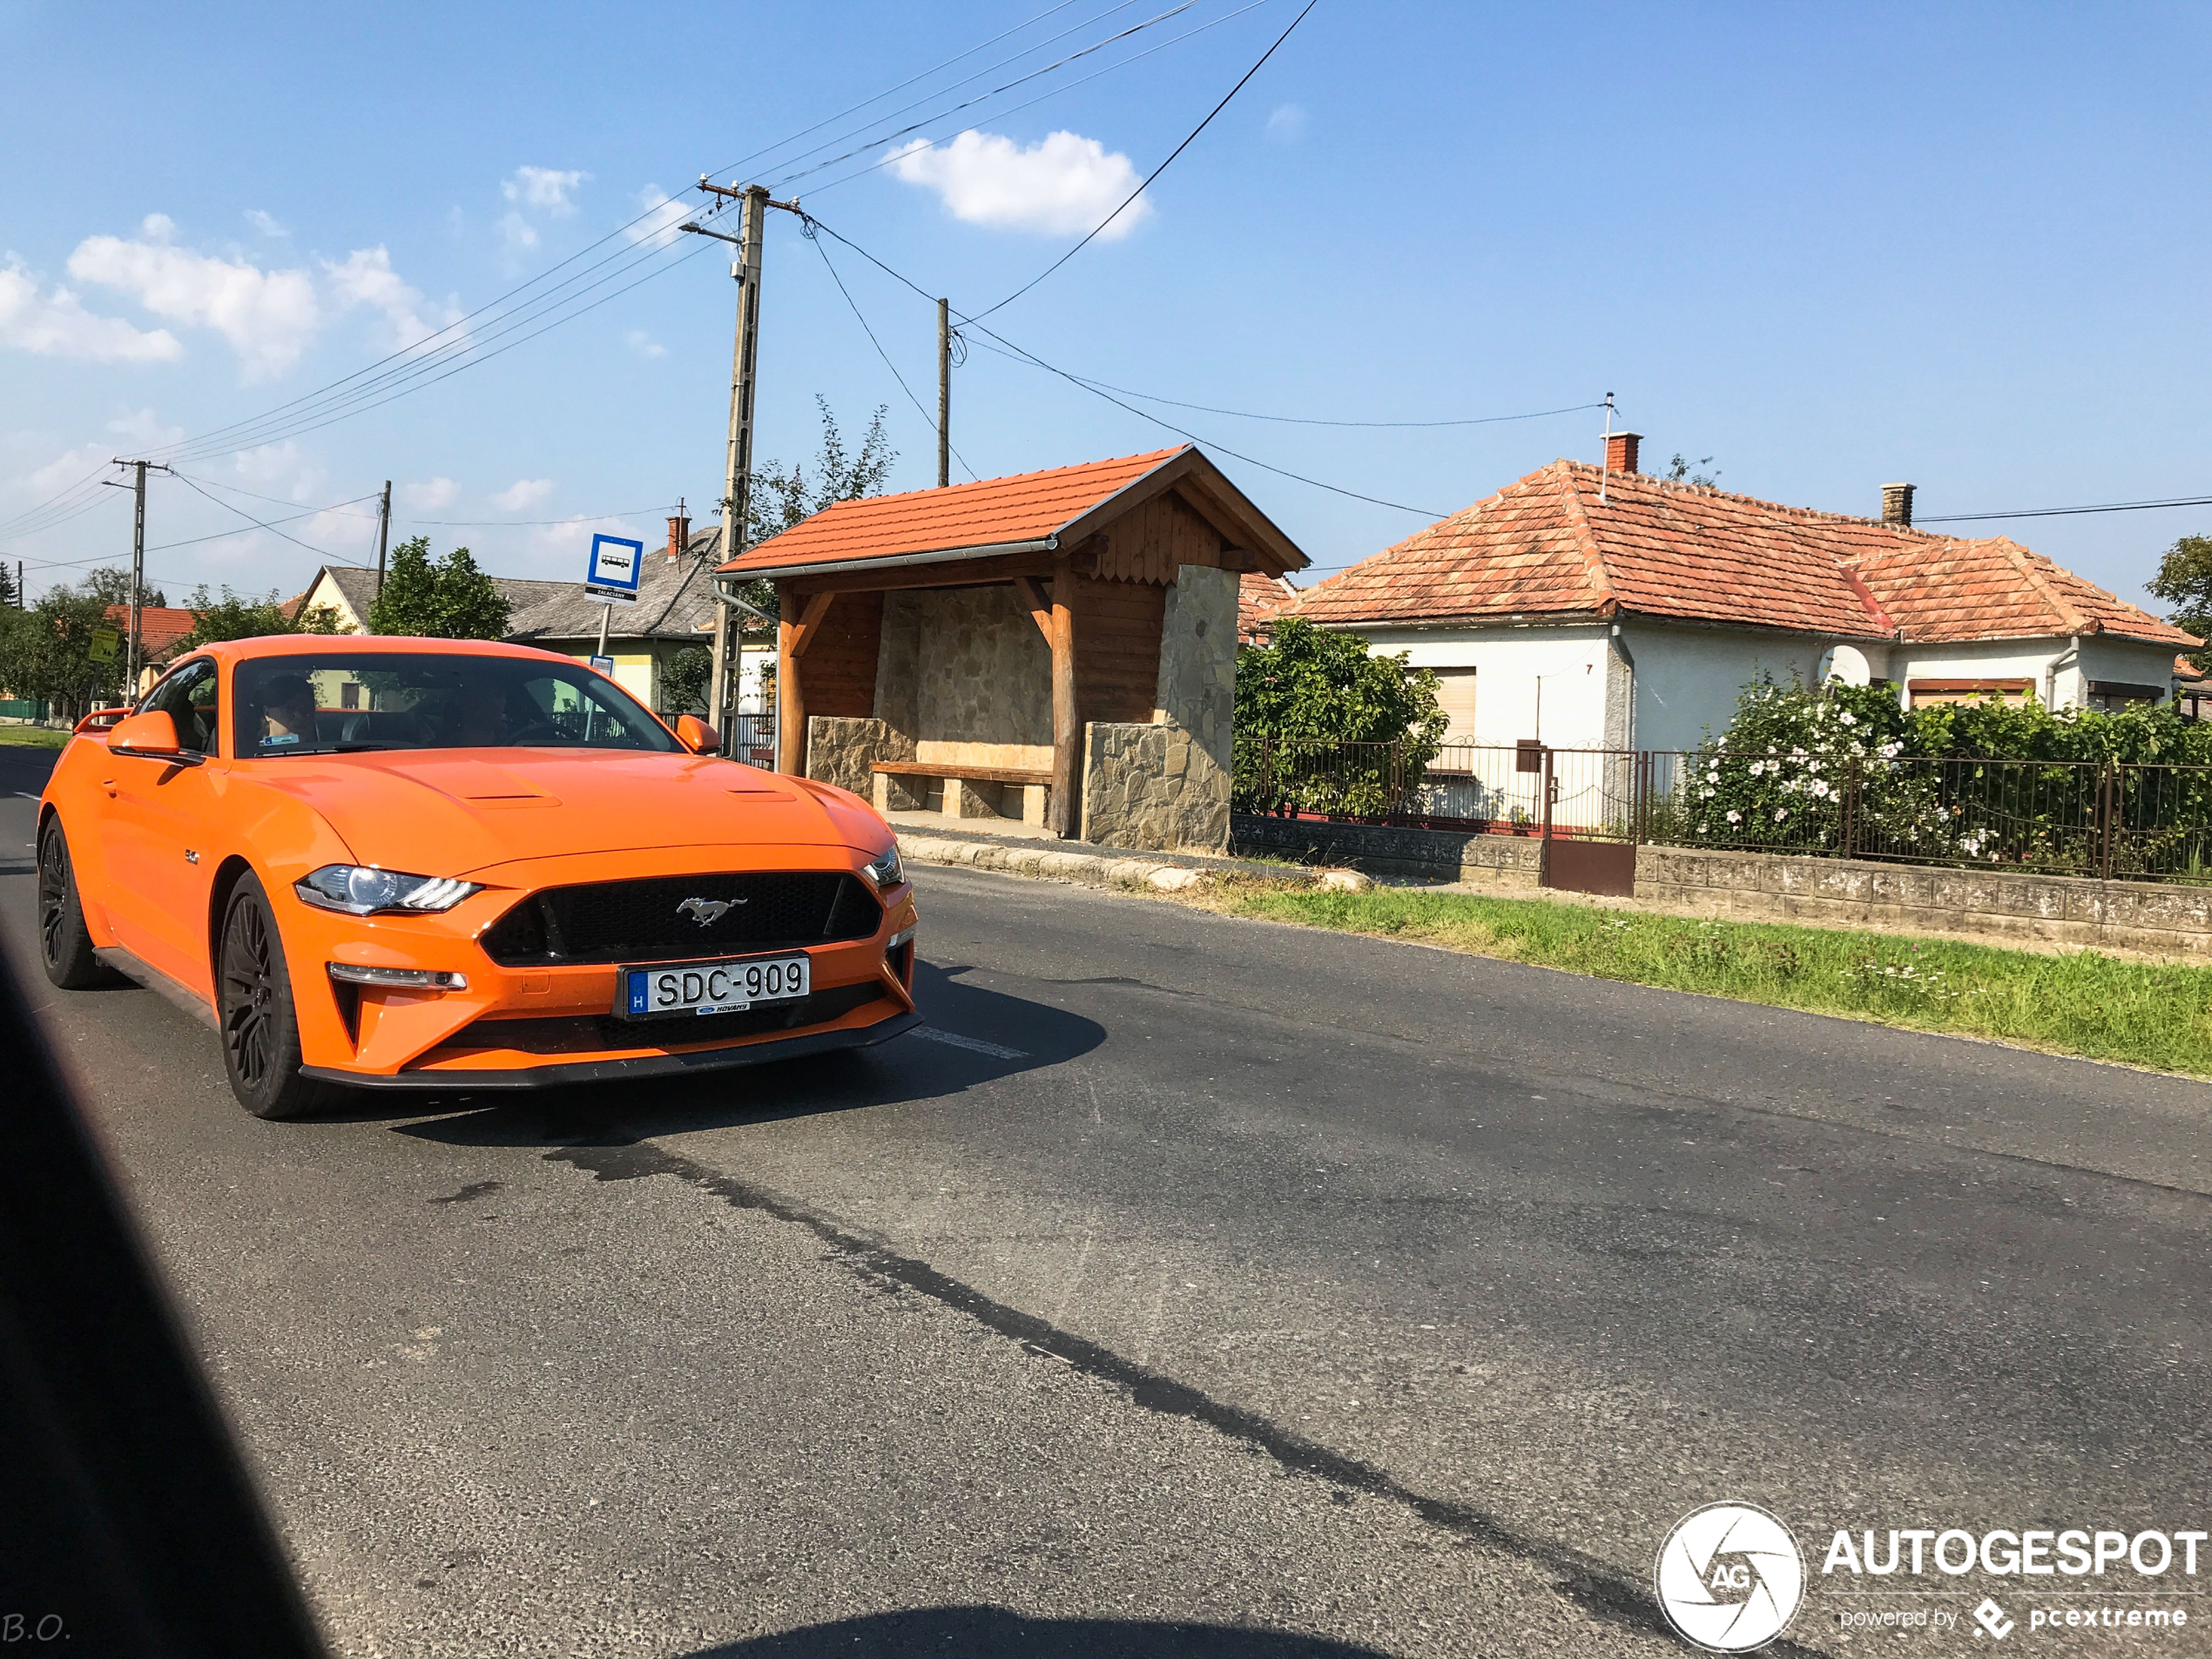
(587, 1032)
(646, 920)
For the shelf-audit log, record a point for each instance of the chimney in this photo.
(1897, 505)
(1621, 450)
(679, 534)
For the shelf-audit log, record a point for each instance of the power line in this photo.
(312, 512)
(1151, 176)
(528, 523)
(319, 552)
(1065, 86)
(1142, 414)
(2068, 512)
(283, 500)
(806, 230)
(985, 97)
(1295, 419)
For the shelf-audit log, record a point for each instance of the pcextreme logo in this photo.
(1729, 1577)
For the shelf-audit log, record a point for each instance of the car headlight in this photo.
(886, 871)
(363, 890)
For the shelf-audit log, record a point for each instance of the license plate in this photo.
(713, 987)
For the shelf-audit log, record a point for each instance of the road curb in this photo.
(1167, 875)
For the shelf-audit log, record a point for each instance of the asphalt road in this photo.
(1200, 1287)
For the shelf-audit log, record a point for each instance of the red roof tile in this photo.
(1546, 545)
(159, 626)
(1259, 597)
(1026, 508)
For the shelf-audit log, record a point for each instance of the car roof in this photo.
(369, 644)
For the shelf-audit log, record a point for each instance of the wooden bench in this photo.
(962, 796)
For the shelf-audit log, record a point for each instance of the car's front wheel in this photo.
(253, 1002)
(64, 944)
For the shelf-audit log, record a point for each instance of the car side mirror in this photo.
(697, 735)
(152, 736)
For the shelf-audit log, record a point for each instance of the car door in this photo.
(160, 832)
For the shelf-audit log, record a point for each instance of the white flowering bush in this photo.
(1795, 760)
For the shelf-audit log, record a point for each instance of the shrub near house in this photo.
(1325, 725)
(1842, 768)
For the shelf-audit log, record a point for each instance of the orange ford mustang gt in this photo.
(447, 865)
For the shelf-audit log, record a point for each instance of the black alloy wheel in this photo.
(64, 944)
(253, 1002)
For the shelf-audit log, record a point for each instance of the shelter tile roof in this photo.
(1026, 507)
(1548, 545)
(159, 627)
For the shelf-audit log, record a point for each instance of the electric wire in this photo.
(868, 145)
(529, 523)
(880, 351)
(284, 500)
(2069, 512)
(1142, 414)
(886, 161)
(290, 518)
(1155, 173)
(320, 553)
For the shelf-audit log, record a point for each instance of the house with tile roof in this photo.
(1058, 646)
(1593, 606)
(674, 609)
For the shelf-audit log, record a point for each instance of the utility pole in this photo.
(944, 392)
(383, 536)
(737, 476)
(138, 569)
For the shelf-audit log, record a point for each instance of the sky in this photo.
(1962, 246)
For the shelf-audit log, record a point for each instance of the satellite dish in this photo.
(1844, 663)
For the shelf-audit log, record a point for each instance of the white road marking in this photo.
(953, 1040)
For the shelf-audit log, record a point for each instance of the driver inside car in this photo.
(288, 711)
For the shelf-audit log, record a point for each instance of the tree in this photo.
(1680, 471)
(46, 652)
(111, 585)
(2184, 581)
(237, 617)
(683, 681)
(779, 500)
(447, 598)
(11, 596)
(1306, 695)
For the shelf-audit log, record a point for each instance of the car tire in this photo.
(255, 1011)
(65, 943)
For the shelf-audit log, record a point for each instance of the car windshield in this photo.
(340, 701)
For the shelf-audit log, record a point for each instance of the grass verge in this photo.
(2080, 1003)
(34, 736)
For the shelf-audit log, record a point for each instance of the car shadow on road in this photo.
(972, 1035)
(994, 1632)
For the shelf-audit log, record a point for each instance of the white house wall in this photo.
(1688, 680)
(1509, 664)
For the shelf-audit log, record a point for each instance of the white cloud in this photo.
(519, 232)
(1287, 125)
(523, 492)
(276, 468)
(543, 188)
(367, 279)
(663, 214)
(59, 326)
(268, 317)
(145, 429)
(1062, 184)
(264, 223)
(644, 344)
(429, 498)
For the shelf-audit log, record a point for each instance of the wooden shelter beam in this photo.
(1034, 595)
(792, 640)
(1067, 726)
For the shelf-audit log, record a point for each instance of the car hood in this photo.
(459, 811)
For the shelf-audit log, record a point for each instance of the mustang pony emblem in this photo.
(707, 912)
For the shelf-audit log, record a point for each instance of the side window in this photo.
(187, 696)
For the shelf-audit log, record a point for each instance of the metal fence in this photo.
(2113, 820)
(751, 738)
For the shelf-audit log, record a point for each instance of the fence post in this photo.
(2105, 813)
(1640, 813)
(1544, 841)
(1851, 806)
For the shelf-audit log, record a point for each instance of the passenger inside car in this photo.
(288, 711)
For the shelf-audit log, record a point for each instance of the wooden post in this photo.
(1066, 724)
(792, 640)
